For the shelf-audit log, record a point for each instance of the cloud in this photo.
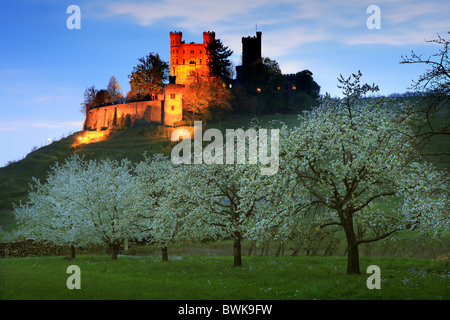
(186, 13)
(21, 125)
(55, 124)
(404, 21)
(7, 128)
(43, 98)
(416, 11)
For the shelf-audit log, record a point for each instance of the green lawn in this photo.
(206, 278)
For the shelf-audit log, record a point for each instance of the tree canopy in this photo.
(352, 163)
(206, 97)
(149, 76)
(219, 64)
(433, 107)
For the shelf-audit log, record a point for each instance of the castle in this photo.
(186, 58)
(251, 52)
(167, 107)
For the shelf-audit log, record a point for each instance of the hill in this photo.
(123, 143)
(126, 143)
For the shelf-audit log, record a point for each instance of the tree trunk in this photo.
(237, 250)
(352, 253)
(115, 248)
(352, 246)
(307, 249)
(72, 252)
(251, 249)
(280, 250)
(353, 260)
(265, 249)
(165, 256)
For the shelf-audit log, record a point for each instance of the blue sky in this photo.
(45, 67)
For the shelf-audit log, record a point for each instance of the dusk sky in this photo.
(45, 67)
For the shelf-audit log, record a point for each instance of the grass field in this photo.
(214, 278)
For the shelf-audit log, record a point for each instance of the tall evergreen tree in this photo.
(219, 63)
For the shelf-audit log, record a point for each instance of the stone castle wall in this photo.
(168, 108)
(103, 117)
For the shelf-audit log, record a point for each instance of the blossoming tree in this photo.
(85, 202)
(50, 214)
(165, 218)
(352, 163)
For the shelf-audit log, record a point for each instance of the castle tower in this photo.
(173, 104)
(175, 43)
(251, 52)
(251, 49)
(175, 38)
(208, 37)
(187, 58)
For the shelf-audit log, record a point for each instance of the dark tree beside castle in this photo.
(219, 63)
(302, 91)
(262, 88)
(259, 82)
(149, 76)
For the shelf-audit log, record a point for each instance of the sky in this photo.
(45, 66)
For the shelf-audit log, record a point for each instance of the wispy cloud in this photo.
(54, 124)
(200, 12)
(21, 125)
(403, 21)
(43, 98)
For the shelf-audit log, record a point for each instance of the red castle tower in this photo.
(186, 58)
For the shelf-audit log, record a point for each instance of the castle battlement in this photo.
(187, 58)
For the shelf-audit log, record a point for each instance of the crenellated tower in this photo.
(187, 58)
(208, 37)
(251, 52)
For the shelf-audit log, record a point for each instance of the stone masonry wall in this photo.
(103, 117)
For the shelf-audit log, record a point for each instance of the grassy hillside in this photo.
(125, 143)
(16, 177)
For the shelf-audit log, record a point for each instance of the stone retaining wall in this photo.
(31, 248)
